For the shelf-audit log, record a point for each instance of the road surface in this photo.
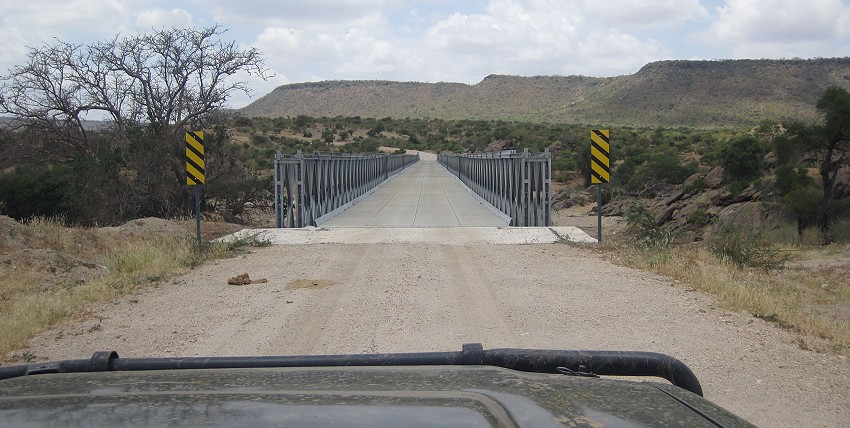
(404, 297)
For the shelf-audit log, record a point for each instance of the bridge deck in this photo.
(425, 195)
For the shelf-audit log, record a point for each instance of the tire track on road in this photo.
(476, 304)
(306, 327)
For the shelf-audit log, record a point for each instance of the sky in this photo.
(450, 40)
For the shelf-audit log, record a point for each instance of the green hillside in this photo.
(667, 93)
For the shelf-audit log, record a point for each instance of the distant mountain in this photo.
(666, 93)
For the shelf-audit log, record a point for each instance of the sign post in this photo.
(195, 171)
(600, 169)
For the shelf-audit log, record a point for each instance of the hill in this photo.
(666, 93)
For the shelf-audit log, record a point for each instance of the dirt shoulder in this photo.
(364, 298)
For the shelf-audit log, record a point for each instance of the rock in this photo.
(770, 160)
(244, 279)
(764, 216)
(748, 194)
(617, 207)
(714, 178)
(721, 197)
(580, 198)
(567, 199)
(665, 216)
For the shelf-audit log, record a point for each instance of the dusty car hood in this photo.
(349, 396)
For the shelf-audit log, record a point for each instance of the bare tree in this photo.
(164, 80)
(149, 87)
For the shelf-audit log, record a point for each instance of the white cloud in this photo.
(60, 16)
(780, 22)
(618, 53)
(317, 42)
(14, 48)
(536, 37)
(159, 18)
(296, 12)
(642, 13)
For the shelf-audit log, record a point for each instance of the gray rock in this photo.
(714, 178)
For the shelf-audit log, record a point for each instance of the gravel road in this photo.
(366, 298)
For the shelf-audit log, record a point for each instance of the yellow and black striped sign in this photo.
(600, 168)
(195, 158)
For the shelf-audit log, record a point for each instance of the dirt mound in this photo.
(150, 227)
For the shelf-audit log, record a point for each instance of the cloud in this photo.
(326, 45)
(158, 18)
(296, 12)
(535, 37)
(642, 14)
(768, 23)
(39, 16)
(526, 37)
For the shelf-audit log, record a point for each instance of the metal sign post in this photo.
(600, 169)
(195, 171)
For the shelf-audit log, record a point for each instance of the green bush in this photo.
(640, 222)
(698, 218)
(29, 191)
(743, 158)
(790, 178)
(698, 184)
(805, 201)
(649, 168)
(745, 248)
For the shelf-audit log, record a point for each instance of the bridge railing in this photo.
(308, 187)
(517, 184)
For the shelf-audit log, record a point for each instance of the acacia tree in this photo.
(828, 143)
(148, 87)
(834, 144)
(164, 80)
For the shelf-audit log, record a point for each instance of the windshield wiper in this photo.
(601, 363)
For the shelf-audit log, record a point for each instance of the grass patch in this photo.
(28, 307)
(787, 297)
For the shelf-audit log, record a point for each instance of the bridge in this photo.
(424, 195)
(491, 198)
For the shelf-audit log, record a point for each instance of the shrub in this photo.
(790, 178)
(839, 231)
(698, 218)
(641, 223)
(30, 191)
(657, 168)
(745, 248)
(698, 184)
(805, 202)
(743, 157)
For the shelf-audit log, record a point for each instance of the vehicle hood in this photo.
(351, 396)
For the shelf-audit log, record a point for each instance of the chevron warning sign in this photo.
(195, 158)
(600, 169)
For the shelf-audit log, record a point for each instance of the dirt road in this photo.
(365, 298)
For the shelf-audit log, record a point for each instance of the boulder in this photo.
(617, 207)
(758, 215)
(714, 178)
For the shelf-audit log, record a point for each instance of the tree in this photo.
(834, 144)
(166, 80)
(828, 143)
(149, 88)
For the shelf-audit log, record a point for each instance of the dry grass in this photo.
(53, 273)
(810, 296)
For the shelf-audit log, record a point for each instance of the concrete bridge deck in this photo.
(424, 195)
